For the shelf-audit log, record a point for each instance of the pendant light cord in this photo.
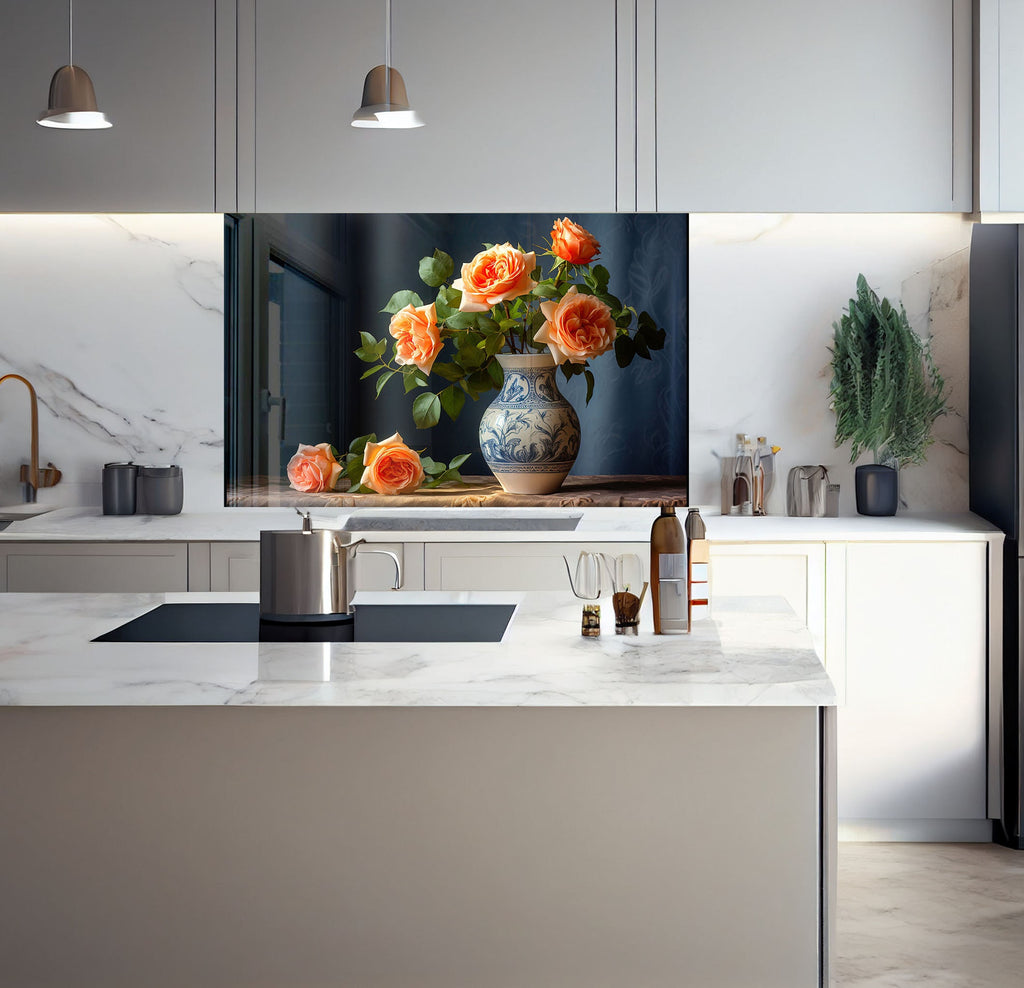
(387, 53)
(71, 32)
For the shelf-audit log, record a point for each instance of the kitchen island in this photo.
(543, 810)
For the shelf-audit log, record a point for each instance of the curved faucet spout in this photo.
(31, 482)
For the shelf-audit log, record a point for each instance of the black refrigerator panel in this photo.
(994, 428)
(1007, 829)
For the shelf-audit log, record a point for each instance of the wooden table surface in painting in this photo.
(641, 491)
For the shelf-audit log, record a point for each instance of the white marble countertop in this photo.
(747, 655)
(595, 525)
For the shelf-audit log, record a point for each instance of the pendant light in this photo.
(72, 104)
(385, 103)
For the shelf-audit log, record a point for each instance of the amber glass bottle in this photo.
(668, 573)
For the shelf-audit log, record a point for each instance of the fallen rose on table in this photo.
(387, 467)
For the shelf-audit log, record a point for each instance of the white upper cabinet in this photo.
(1000, 106)
(153, 69)
(805, 106)
(518, 100)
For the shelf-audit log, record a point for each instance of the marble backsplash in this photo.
(764, 292)
(118, 321)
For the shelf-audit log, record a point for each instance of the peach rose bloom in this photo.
(572, 243)
(578, 327)
(495, 275)
(313, 469)
(391, 467)
(417, 336)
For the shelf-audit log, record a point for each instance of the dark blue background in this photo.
(636, 423)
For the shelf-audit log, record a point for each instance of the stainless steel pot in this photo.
(306, 573)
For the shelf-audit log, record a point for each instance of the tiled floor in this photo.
(941, 915)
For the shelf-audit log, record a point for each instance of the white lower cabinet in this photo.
(794, 571)
(513, 565)
(912, 734)
(94, 567)
(234, 566)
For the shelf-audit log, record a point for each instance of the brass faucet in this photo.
(30, 477)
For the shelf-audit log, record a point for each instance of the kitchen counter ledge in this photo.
(754, 652)
(595, 525)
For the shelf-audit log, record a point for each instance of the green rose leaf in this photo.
(625, 350)
(400, 300)
(450, 372)
(383, 379)
(371, 350)
(590, 384)
(496, 374)
(436, 270)
(461, 320)
(480, 381)
(641, 346)
(371, 372)
(426, 410)
(469, 354)
(601, 276)
(415, 379)
(358, 445)
(452, 400)
(545, 289)
(431, 467)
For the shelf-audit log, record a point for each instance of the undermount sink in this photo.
(470, 520)
(240, 622)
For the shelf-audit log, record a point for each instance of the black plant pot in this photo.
(878, 489)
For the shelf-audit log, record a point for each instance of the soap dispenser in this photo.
(668, 573)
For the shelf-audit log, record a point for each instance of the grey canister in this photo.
(160, 490)
(119, 481)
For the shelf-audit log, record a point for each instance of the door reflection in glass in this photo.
(299, 397)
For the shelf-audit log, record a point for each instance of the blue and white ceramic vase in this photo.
(529, 434)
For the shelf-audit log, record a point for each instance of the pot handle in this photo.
(394, 558)
(341, 547)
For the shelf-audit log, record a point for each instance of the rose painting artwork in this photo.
(371, 374)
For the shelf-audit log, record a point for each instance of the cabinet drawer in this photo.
(96, 568)
(513, 565)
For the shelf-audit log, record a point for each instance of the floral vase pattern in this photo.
(529, 434)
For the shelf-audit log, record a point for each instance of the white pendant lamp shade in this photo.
(385, 103)
(72, 103)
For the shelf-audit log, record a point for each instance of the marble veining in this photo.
(119, 324)
(745, 656)
(764, 292)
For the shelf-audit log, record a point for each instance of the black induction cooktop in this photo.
(240, 622)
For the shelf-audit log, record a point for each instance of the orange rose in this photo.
(417, 336)
(313, 469)
(495, 275)
(578, 327)
(391, 467)
(572, 243)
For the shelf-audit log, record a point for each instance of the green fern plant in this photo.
(886, 391)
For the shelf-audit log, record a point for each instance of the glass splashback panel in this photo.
(303, 287)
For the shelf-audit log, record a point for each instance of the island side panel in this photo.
(441, 847)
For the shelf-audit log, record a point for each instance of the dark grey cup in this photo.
(119, 481)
